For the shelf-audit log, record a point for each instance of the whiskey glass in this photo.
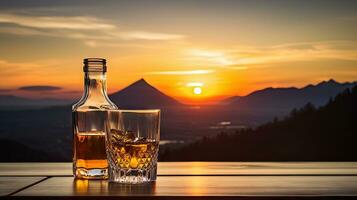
(132, 145)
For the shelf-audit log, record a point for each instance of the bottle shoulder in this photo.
(85, 105)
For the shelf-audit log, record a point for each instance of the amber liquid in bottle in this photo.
(89, 118)
(89, 146)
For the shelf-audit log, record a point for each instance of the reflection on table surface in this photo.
(200, 186)
(196, 168)
(103, 187)
(192, 179)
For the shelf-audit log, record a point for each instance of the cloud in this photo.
(305, 51)
(20, 31)
(12, 68)
(244, 57)
(189, 72)
(6, 90)
(352, 18)
(40, 88)
(76, 27)
(210, 57)
(72, 92)
(56, 22)
(237, 67)
(150, 36)
(41, 91)
(194, 84)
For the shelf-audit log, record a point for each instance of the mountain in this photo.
(49, 129)
(229, 100)
(141, 94)
(9, 100)
(14, 101)
(327, 133)
(285, 99)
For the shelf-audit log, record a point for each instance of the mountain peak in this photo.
(332, 81)
(329, 82)
(141, 81)
(289, 98)
(141, 94)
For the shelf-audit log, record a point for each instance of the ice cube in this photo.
(117, 135)
(129, 136)
(140, 140)
(116, 131)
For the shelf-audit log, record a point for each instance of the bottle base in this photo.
(83, 173)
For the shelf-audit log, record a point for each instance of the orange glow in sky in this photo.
(195, 52)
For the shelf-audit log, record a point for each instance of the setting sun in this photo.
(197, 90)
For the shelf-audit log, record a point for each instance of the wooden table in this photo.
(188, 180)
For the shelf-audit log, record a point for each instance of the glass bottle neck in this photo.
(95, 86)
(95, 95)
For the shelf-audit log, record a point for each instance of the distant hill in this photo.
(327, 133)
(10, 100)
(229, 100)
(141, 94)
(285, 99)
(49, 130)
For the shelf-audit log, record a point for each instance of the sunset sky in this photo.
(223, 47)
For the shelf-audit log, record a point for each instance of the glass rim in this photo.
(139, 111)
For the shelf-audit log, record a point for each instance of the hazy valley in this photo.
(45, 126)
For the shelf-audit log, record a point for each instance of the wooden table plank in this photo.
(198, 168)
(9, 185)
(35, 169)
(202, 186)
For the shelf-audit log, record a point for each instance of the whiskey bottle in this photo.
(89, 116)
